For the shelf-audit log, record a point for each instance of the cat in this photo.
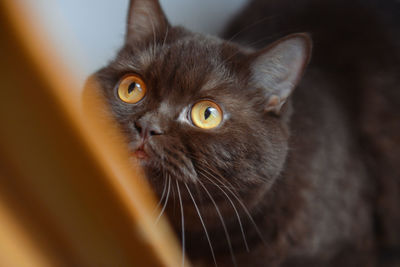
(259, 160)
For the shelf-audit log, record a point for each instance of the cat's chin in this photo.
(143, 159)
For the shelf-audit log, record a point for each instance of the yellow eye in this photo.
(131, 89)
(206, 114)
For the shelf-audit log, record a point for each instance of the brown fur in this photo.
(296, 158)
(357, 45)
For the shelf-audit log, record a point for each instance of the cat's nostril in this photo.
(138, 128)
(155, 133)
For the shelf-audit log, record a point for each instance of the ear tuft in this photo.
(146, 19)
(278, 68)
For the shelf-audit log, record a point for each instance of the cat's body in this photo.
(298, 159)
(356, 59)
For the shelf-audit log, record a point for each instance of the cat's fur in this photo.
(308, 164)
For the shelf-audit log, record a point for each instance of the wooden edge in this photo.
(108, 187)
(16, 248)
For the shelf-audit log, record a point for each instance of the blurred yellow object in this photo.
(68, 195)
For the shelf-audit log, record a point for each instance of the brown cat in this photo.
(252, 166)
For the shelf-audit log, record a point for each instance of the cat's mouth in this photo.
(141, 153)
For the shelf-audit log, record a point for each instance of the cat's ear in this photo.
(146, 19)
(278, 68)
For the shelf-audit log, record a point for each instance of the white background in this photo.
(88, 32)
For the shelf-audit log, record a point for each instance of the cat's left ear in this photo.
(278, 68)
(146, 19)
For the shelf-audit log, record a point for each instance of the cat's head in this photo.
(200, 112)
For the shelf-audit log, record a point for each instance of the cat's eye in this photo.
(206, 114)
(131, 89)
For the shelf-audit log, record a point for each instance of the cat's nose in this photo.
(146, 129)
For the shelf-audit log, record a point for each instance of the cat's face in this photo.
(208, 114)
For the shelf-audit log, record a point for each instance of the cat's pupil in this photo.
(207, 113)
(131, 87)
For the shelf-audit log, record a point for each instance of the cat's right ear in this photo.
(278, 69)
(146, 19)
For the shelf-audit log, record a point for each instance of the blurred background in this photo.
(88, 33)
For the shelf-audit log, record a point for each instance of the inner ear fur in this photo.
(146, 19)
(278, 68)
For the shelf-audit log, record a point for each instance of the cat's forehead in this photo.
(193, 63)
(192, 50)
(181, 71)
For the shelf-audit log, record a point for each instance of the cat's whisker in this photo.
(251, 44)
(220, 65)
(174, 199)
(209, 172)
(199, 193)
(250, 217)
(166, 201)
(162, 196)
(182, 223)
(203, 225)
(235, 209)
(165, 37)
(228, 239)
(241, 31)
(251, 26)
(206, 168)
(240, 203)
